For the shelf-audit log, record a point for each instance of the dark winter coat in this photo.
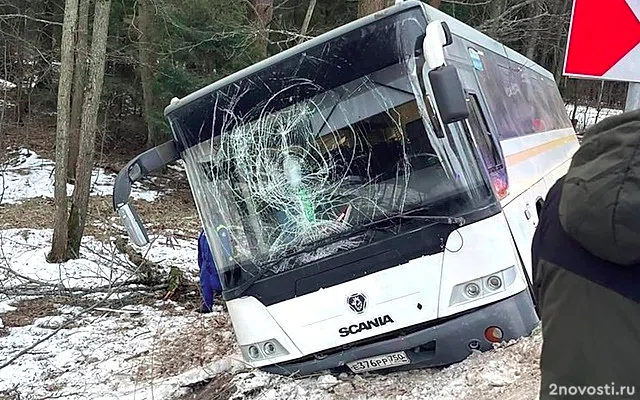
(586, 268)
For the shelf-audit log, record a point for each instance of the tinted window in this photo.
(521, 101)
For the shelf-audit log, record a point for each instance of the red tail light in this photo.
(500, 186)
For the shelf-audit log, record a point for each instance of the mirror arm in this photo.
(149, 161)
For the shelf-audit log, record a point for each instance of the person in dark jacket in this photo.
(586, 268)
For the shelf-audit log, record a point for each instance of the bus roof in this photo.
(463, 30)
(456, 26)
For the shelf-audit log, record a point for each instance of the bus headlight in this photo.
(254, 352)
(494, 282)
(263, 350)
(484, 286)
(472, 290)
(269, 348)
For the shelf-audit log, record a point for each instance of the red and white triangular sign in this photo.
(604, 40)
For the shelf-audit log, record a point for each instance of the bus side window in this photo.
(482, 135)
(487, 147)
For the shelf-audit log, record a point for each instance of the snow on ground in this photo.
(27, 176)
(128, 348)
(106, 354)
(25, 251)
(6, 85)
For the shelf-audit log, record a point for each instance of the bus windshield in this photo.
(285, 164)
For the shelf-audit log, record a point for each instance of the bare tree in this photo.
(261, 13)
(147, 63)
(366, 7)
(307, 19)
(89, 126)
(79, 81)
(60, 238)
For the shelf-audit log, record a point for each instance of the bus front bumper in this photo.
(443, 344)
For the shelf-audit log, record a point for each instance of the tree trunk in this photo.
(79, 81)
(82, 187)
(366, 7)
(534, 34)
(261, 12)
(147, 61)
(435, 3)
(496, 8)
(307, 19)
(59, 244)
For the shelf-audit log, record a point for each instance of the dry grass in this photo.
(220, 387)
(170, 212)
(32, 213)
(37, 135)
(208, 339)
(29, 310)
(39, 132)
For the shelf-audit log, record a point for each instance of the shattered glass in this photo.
(304, 158)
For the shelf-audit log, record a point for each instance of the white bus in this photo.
(370, 195)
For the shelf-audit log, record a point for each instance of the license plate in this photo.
(379, 362)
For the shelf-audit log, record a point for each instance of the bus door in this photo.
(482, 131)
(520, 213)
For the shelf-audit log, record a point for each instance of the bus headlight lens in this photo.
(472, 290)
(263, 350)
(494, 282)
(481, 287)
(254, 352)
(269, 348)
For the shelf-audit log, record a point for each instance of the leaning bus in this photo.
(379, 185)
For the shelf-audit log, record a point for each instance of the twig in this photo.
(44, 21)
(131, 312)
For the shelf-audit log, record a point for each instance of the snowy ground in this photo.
(113, 340)
(6, 85)
(29, 176)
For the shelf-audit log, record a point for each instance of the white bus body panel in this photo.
(533, 158)
(534, 163)
(313, 321)
(310, 324)
(485, 247)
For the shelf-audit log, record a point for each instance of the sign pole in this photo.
(633, 97)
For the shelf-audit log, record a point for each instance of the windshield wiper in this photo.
(435, 218)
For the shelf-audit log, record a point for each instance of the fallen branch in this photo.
(38, 291)
(130, 312)
(147, 270)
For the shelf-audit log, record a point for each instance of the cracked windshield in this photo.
(322, 153)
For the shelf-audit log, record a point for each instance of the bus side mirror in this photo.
(151, 160)
(448, 94)
(133, 225)
(445, 82)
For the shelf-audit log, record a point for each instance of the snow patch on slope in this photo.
(25, 252)
(28, 176)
